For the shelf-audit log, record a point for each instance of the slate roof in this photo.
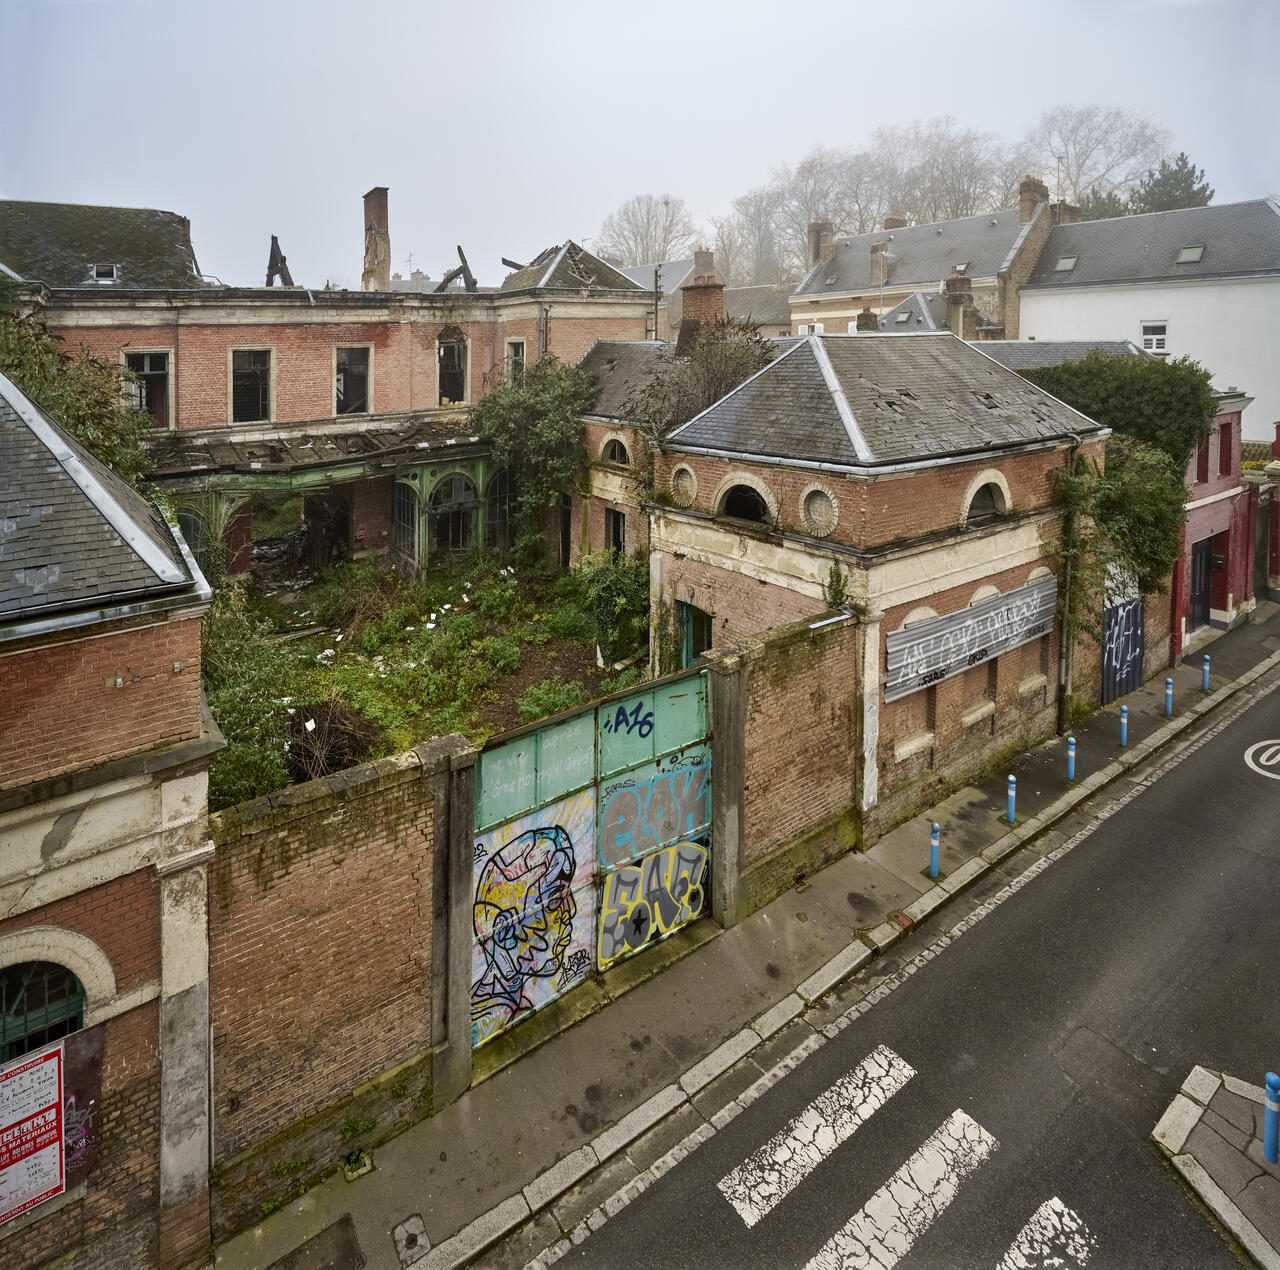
(567, 266)
(1238, 238)
(866, 400)
(1029, 354)
(622, 368)
(300, 446)
(59, 243)
(919, 254)
(73, 535)
(920, 311)
(765, 305)
(671, 273)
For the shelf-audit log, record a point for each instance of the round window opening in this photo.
(683, 487)
(819, 512)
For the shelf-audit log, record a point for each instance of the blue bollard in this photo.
(1271, 1120)
(1013, 794)
(1124, 726)
(935, 837)
(1204, 681)
(1071, 758)
(1168, 697)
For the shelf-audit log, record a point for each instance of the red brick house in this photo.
(104, 749)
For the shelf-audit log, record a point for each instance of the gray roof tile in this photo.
(907, 399)
(671, 273)
(623, 367)
(1029, 354)
(1238, 238)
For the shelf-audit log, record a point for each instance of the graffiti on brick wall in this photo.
(1123, 648)
(642, 815)
(533, 913)
(654, 896)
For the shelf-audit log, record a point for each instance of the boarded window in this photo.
(352, 397)
(250, 385)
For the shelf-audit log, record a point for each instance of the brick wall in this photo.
(320, 937)
(74, 685)
(116, 1216)
(370, 504)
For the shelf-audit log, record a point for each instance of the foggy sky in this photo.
(508, 127)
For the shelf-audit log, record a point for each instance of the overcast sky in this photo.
(508, 127)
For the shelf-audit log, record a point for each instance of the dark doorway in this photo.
(1260, 552)
(695, 631)
(615, 531)
(1201, 565)
(566, 529)
(453, 366)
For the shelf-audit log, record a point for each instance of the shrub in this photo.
(550, 697)
(340, 738)
(503, 654)
(617, 588)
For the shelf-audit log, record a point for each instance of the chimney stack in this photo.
(867, 321)
(895, 221)
(962, 317)
(821, 242)
(376, 275)
(702, 294)
(1031, 193)
(879, 263)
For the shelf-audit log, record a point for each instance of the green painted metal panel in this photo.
(626, 732)
(566, 757)
(508, 781)
(660, 802)
(680, 713)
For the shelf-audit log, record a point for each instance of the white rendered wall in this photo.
(1231, 328)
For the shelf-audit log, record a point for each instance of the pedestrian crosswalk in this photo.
(882, 1232)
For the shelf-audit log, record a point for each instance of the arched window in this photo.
(39, 1002)
(987, 506)
(616, 452)
(744, 503)
(500, 510)
(453, 514)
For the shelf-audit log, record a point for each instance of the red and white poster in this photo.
(32, 1163)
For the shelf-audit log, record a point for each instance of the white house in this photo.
(1203, 281)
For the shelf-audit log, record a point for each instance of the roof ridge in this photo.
(106, 503)
(843, 409)
(1172, 211)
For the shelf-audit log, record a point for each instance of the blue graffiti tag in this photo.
(640, 817)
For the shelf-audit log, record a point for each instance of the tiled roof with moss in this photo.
(59, 244)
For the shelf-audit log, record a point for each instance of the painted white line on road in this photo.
(1054, 1237)
(1264, 758)
(884, 1229)
(770, 1174)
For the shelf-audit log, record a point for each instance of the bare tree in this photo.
(756, 215)
(1088, 148)
(648, 228)
(811, 190)
(729, 243)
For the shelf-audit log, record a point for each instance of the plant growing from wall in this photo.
(86, 395)
(617, 591)
(835, 590)
(535, 429)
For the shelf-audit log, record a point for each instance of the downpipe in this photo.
(1065, 640)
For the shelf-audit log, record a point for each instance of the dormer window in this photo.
(1065, 264)
(962, 267)
(1191, 255)
(106, 273)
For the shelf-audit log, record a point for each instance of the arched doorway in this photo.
(451, 514)
(500, 510)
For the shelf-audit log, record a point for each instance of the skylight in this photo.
(903, 317)
(1191, 255)
(1065, 264)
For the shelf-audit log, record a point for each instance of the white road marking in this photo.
(1053, 1239)
(770, 1174)
(886, 1226)
(1264, 758)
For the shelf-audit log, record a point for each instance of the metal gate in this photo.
(592, 839)
(1123, 648)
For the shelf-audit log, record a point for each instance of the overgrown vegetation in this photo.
(535, 430)
(87, 395)
(369, 662)
(617, 593)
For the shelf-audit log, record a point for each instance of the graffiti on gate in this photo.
(624, 721)
(1123, 648)
(533, 913)
(643, 815)
(653, 896)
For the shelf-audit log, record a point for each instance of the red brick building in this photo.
(103, 877)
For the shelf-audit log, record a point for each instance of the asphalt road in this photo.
(1060, 1026)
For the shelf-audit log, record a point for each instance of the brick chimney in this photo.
(867, 321)
(895, 221)
(821, 242)
(879, 263)
(1064, 213)
(376, 275)
(1031, 193)
(962, 317)
(702, 293)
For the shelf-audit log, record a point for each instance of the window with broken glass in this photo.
(453, 367)
(39, 1002)
(250, 385)
(352, 387)
(152, 388)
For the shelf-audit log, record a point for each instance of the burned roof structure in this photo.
(869, 401)
(75, 539)
(568, 266)
(75, 245)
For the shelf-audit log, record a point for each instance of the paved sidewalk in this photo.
(1212, 1132)
(548, 1139)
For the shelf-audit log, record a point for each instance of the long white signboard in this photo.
(32, 1163)
(940, 647)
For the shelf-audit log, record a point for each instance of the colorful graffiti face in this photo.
(523, 918)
